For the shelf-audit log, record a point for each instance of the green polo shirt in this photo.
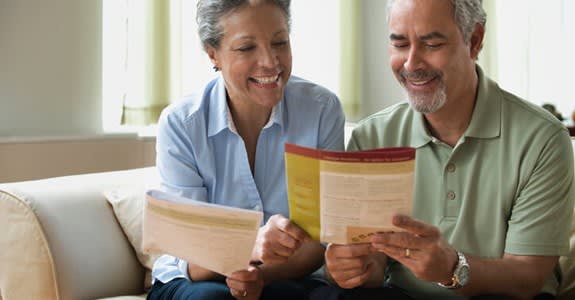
(506, 187)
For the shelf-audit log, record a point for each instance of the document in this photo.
(215, 237)
(346, 197)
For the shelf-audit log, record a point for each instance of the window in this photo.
(534, 41)
(152, 55)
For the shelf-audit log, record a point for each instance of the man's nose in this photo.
(414, 61)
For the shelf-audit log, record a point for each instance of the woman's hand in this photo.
(246, 284)
(355, 265)
(278, 240)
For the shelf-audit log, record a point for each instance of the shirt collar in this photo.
(486, 117)
(220, 116)
(419, 134)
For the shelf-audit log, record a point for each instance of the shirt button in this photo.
(451, 195)
(451, 168)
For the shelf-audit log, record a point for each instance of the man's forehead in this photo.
(432, 9)
(427, 18)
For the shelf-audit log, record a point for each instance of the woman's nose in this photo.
(268, 58)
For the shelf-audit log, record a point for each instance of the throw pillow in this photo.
(128, 206)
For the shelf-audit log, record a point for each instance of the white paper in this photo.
(354, 206)
(215, 237)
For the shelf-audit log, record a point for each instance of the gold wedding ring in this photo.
(407, 253)
(245, 293)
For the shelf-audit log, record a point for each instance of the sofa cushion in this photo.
(25, 252)
(128, 206)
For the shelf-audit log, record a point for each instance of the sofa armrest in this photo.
(64, 241)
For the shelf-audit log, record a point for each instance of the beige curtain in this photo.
(151, 66)
(488, 55)
(351, 59)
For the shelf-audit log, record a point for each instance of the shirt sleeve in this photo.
(332, 122)
(542, 212)
(175, 158)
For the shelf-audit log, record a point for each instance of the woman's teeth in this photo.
(264, 80)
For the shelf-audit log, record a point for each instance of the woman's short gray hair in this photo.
(467, 14)
(210, 12)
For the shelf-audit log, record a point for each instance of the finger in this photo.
(401, 255)
(415, 226)
(273, 254)
(288, 241)
(292, 229)
(236, 294)
(249, 274)
(237, 288)
(398, 239)
(245, 283)
(346, 264)
(335, 251)
(357, 279)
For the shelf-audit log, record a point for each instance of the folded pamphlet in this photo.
(345, 197)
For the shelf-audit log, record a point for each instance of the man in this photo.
(493, 194)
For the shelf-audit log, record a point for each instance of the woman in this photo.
(226, 146)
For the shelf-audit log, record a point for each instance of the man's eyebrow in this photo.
(425, 37)
(397, 37)
(432, 35)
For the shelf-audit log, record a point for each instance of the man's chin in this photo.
(423, 106)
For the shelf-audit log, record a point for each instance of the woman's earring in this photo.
(216, 68)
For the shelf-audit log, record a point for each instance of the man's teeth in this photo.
(420, 82)
(265, 80)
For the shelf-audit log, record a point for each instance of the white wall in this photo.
(50, 67)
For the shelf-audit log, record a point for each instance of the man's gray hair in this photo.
(467, 14)
(210, 12)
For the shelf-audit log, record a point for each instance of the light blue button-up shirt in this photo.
(201, 156)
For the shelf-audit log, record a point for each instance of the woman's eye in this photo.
(280, 43)
(245, 49)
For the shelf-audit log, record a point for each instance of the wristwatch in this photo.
(460, 274)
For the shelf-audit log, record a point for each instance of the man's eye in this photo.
(399, 46)
(434, 46)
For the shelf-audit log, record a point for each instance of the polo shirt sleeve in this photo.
(541, 214)
(175, 159)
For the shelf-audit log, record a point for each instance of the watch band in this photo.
(460, 273)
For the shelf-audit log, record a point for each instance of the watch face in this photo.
(462, 275)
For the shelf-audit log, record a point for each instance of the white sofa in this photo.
(61, 239)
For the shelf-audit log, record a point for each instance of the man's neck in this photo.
(451, 121)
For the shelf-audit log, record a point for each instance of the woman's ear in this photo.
(213, 55)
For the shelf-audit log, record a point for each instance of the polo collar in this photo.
(420, 136)
(486, 117)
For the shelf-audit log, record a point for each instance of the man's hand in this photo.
(278, 240)
(246, 284)
(354, 265)
(429, 256)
